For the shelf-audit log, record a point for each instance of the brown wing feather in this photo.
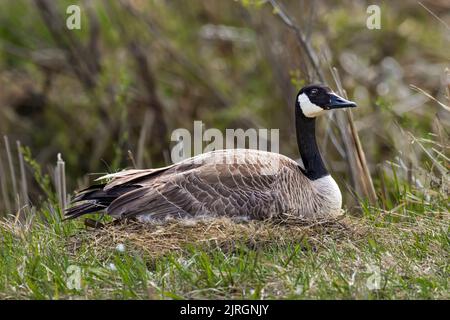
(247, 184)
(206, 190)
(131, 176)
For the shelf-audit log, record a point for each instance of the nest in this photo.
(224, 233)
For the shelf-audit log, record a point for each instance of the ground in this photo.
(376, 255)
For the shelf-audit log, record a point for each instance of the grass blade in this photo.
(4, 186)
(23, 177)
(11, 165)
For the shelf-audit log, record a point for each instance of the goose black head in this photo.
(314, 100)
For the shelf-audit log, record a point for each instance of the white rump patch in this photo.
(309, 109)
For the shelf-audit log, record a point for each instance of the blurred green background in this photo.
(139, 69)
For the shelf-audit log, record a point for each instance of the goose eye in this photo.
(314, 92)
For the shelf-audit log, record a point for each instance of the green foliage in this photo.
(252, 3)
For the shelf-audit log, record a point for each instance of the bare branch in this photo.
(312, 57)
(354, 152)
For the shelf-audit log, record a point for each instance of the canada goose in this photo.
(249, 184)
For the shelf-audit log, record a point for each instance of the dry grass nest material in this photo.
(176, 235)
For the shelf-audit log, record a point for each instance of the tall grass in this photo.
(60, 182)
(10, 165)
(15, 199)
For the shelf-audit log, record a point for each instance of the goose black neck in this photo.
(307, 145)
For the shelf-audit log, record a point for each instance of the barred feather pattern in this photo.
(237, 183)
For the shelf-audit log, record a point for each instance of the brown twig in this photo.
(196, 71)
(23, 177)
(79, 58)
(357, 155)
(11, 165)
(150, 97)
(3, 185)
(354, 151)
(310, 53)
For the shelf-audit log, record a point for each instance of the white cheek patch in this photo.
(309, 109)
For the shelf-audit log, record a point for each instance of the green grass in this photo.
(405, 253)
(396, 250)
